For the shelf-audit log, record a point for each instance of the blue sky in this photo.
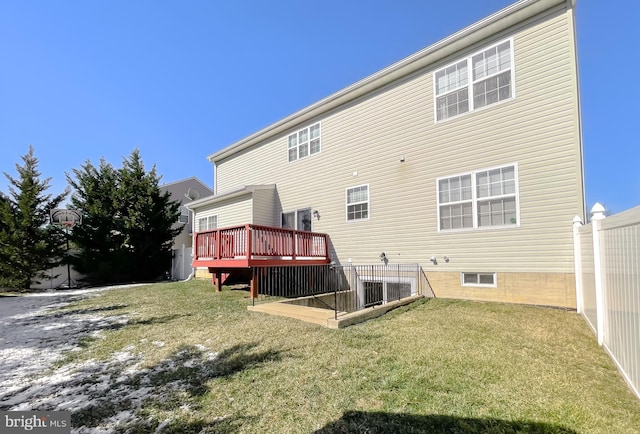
(81, 80)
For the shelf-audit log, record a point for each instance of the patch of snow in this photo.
(162, 425)
(104, 395)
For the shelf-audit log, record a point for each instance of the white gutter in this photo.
(476, 32)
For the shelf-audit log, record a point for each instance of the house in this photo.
(184, 191)
(465, 158)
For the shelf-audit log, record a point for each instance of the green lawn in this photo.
(433, 366)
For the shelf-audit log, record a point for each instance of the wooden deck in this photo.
(252, 246)
(234, 253)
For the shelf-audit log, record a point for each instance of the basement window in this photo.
(479, 279)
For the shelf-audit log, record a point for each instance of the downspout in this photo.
(215, 178)
(193, 245)
(571, 11)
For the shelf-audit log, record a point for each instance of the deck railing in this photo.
(254, 241)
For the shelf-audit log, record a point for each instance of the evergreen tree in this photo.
(128, 224)
(28, 244)
(95, 195)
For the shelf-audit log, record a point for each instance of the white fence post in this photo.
(577, 264)
(597, 214)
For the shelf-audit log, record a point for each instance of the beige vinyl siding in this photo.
(265, 206)
(231, 212)
(363, 142)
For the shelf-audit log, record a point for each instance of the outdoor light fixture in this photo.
(434, 260)
(316, 214)
(383, 258)
(446, 259)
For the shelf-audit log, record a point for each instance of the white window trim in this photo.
(209, 218)
(479, 285)
(298, 158)
(470, 81)
(474, 200)
(196, 221)
(346, 203)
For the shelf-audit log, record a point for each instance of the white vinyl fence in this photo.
(181, 263)
(607, 262)
(58, 278)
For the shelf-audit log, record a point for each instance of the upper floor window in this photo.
(207, 223)
(485, 198)
(490, 81)
(358, 203)
(304, 142)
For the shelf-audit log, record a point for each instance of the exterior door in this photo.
(303, 222)
(299, 219)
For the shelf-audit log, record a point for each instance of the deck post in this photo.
(218, 281)
(254, 283)
(326, 246)
(218, 242)
(294, 240)
(249, 245)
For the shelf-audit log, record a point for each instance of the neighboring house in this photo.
(465, 157)
(184, 191)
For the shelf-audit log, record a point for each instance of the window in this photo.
(452, 90)
(496, 193)
(184, 215)
(304, 142)
(478, 279)
(358, 203)
(456, 193)
(485, 198)
(381, 290)
(207, 223)
(299, 219)
(492, 75)
(491, 81)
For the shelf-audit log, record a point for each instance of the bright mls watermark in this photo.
(49, 422)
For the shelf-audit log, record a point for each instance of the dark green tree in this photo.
(95, 194)
(28, 244)
(128, 224)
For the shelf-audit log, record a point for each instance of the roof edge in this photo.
(229, 194)
(189, 178)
